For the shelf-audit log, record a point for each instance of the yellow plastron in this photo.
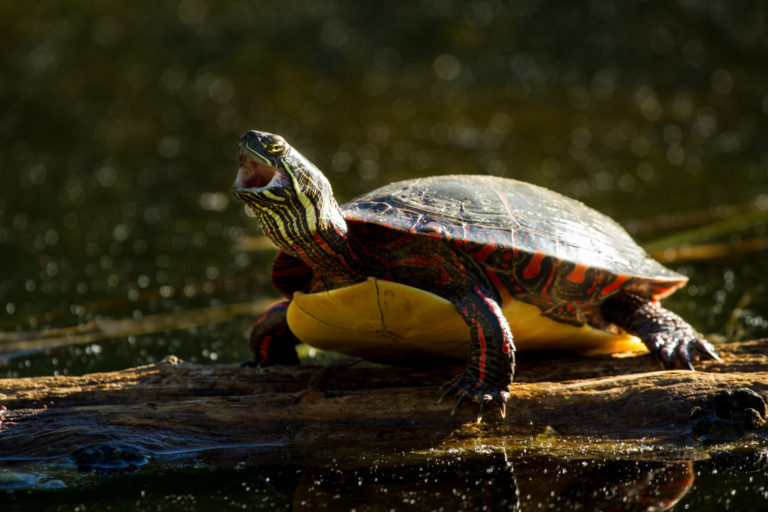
(386, 321)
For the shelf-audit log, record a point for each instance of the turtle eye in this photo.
(276, 146)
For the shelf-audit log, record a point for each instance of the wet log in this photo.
(173, 405)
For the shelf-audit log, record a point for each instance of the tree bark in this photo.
(174, 405)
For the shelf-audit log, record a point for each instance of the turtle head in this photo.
(291, 198)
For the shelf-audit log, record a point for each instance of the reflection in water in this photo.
(219, 479)
(487, 484)
(627, 486)
(435, 484)
(492, 483)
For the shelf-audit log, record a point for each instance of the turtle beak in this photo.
(253, 174)
(256, 175)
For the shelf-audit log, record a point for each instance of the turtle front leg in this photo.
(271, 341)
(491, 362)
(671, 340)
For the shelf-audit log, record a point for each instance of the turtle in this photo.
(468, 267)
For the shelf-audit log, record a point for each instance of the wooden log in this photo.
(173, 405)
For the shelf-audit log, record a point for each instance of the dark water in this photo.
(118, 130)
(487, 480)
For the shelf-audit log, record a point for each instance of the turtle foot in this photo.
(671, 340)
(469, 387)
(678, 349)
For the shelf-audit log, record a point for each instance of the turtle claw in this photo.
(483, 405)
(469, 387)
(446, 393)
(680, 348)
(456, 406)
(708, 351)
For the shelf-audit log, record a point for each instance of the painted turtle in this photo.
(451, 266)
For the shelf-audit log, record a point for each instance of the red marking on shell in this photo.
(507, 256)
(549, 281)
(615, 285)
(498, 284)
(484, 252)
(592, 288)
(577, 274)
(659, 291)
(534, 266)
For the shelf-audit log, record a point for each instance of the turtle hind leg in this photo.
(671, 340)
(271, 341)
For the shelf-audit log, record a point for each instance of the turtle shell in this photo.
(390, 322)
(515, 216)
